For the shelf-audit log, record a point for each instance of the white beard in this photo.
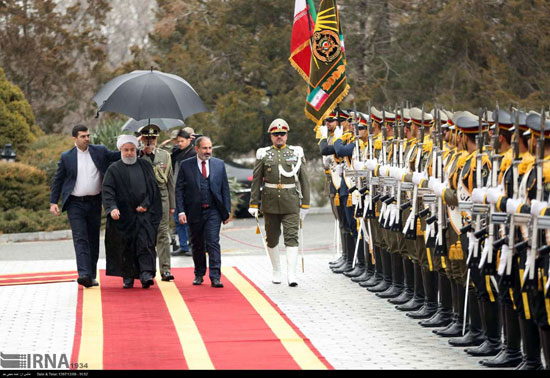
(129, 161)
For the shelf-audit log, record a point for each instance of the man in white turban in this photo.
(133, 206)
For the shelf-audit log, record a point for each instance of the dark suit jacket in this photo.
(65, 177)
(188, 192)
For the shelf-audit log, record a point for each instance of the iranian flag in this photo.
(300, 42)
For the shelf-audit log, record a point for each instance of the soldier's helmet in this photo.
(149, 131)
(279, 125)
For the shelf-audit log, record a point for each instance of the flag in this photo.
(327, 76)
(302, 31)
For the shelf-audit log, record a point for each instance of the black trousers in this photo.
(84, 215)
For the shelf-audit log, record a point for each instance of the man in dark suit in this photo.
(78, 182)
(203, 202)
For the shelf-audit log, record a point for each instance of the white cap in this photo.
(123, 139)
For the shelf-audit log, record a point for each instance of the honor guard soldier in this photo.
(284, 198)
(162, 167)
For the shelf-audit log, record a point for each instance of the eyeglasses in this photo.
(361, 127)
(331, 119)
(278, 134)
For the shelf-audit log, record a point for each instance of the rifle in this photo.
(441, 243)
(487, 266)
(398, 162)
(529, 280)
(384, 161)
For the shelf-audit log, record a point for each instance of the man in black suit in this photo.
(78, 182)
(203, 201)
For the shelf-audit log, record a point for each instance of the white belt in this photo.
(280, 186)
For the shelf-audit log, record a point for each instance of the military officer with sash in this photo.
(285, 197)
(162, 167)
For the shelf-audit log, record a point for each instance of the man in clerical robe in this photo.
(133, 206)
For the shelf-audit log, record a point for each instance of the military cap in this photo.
(406, 115)
(343, 115)
(151, 130)
(469, 125)
(416, 117)
(332, 116)
(533, 121)
(363, 118)
(521, 118)
(278, 125)
(378, 115)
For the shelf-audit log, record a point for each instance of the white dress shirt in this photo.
(88, 178)
(199, 162)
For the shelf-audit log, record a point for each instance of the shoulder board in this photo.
(298, 151)
(527, 161)
(261, 152)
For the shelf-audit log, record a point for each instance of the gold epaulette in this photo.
(527, 161)
(348, 137)
(428, 144)
(378, 142)
(506, 162)
(546, 170)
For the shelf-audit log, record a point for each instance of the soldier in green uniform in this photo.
(162, 166)
(284, 198)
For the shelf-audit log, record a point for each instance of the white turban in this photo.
(123, 139)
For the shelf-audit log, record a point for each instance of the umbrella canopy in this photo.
(163, 123)
(149, 94)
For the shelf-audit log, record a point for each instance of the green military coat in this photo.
(284, 176)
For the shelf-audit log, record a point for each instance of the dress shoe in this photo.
(505, 358)
(216, 283)
(441, 318)
(382, 286)
(167, 276)
(343, 268)
(85, 281)
(180, 252)
(146, 280)
(471, 338)
(402, 298)
(393, 292)
(425, 312)
(198, 280)
(128, 283)
(338, 261)
(530, 365)
(94, 282)
(414, 304)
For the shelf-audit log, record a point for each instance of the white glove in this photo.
(431, 182)
(383, 170)
(393, 213)
(397, 173)
(326, 162)
(355, 197)
(512, 205)
(493, 194)
(417, 177)
(537, 207)
(478, 195)
(324, 131)
(504, 251)
(338, 132)
(358, 165)
(439, 187)
(371, 164)
(303, 213)
(253, 211)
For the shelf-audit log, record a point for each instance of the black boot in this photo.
(417, 301)
(397, 278)
(408, 283)
(386, 273)
(454, 329)
(377, 270)
(545, 342)
(510, 354)
(444, 314)
(369, 266)
(491, 324)
(474, 335)
(531, 345)
(339, 261)
(430, 299)
(348, 245)
(342, 259)
(359, 268)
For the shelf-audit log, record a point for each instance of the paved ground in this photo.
(351, 327)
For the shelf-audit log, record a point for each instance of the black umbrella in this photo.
(162, 123)
(149, 94)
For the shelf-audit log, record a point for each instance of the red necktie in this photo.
(204, 169)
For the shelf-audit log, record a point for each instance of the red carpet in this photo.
(139, 330)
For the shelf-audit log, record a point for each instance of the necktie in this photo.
(204, 169)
